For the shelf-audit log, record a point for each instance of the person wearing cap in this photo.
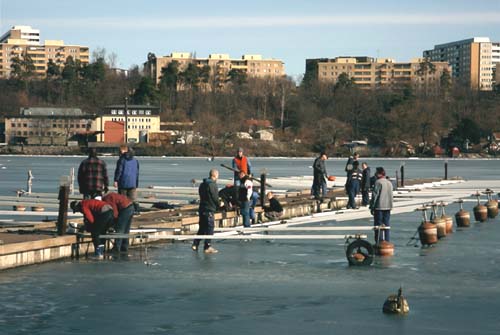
(98, 217)
(381, 205)
(123, 211)
(319, 176)
(241, 164)
(92, 176)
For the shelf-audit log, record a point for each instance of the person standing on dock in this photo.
(350, 161)
(245, 191)
(98, 217)
(381, 205)
(123, 211)
(353, 184)
(127, 175)
(209, 202)
(92, 176)
(241, 164)
(365, 184)
(319, 177)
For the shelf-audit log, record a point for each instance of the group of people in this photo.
(101, 209)
(241, 194)
(359, 180)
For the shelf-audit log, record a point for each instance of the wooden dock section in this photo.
(25, 243)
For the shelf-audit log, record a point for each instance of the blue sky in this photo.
(289, 30)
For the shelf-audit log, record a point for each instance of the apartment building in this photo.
(370, 73)
(472, 60)
(22, 40)
(220, 64)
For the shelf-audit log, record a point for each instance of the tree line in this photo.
(319, 115)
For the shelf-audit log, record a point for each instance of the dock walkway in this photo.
(25, 243)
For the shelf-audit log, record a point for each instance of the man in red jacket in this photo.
(123, 210)
(98, 217)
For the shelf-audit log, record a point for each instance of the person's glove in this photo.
(106, 189)
(372, 211)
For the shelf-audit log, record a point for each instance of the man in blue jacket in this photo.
(127, 174)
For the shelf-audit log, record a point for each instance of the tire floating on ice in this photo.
(359, 253)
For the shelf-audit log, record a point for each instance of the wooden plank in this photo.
(286, 228)
(237, 237)
(11, 248)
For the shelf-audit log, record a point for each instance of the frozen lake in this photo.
(258, 287)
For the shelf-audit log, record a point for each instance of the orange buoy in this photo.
(462, 217)
(438, 221)
(428, 233)
(491, 204)
(19, 208)
(492, 208)
(384, 249)
(480, 211)
(448, 219)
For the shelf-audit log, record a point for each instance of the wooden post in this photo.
(402, 175)
(29, 182)
(62, 218)
(72, 181)
(397, 179)
(446, 170)
(263, 190)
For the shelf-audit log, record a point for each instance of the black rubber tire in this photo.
(360, 246)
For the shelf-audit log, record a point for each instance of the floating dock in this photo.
(30, 242)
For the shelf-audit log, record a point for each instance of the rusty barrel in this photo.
(463, 218)
(480, 213)
(427, 232)
(449, 223)
(441, 226)
(384, 249)
(492, 208)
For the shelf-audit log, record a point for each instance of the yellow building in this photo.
(117, 124)
(21, 40)
(370, 73)
(220, 64)
(472, 60)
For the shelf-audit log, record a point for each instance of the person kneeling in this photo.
(274, 211)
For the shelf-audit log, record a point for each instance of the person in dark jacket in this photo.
(381, 205)
(365, 184)
(353, 184)
(274, 210)
(92, 176)
(98, 217)
(209, 202)
(350, 162)
(123, 210)
(319, 177)
(127, 174)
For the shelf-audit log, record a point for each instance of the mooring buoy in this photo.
(448, 219)
(396, 304)
(427, 231)
(462, 217)
(438, 221)
(384, 249)
(480, 211)
(491, 204)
